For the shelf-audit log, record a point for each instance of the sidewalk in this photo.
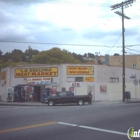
(22, 104)
(42, 104)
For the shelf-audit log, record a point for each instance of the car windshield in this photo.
(62, 94)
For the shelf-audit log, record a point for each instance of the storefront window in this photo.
(75, 79)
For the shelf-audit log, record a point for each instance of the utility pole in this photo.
(97, 57)
(116, 6)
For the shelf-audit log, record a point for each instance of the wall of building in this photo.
(4, 81)
(134, 90)
(3, 94)
(102, 87)
(130, 60)
(82, 90)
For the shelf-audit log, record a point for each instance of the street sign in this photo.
(135, 82)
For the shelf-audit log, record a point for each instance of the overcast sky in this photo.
(55, 23)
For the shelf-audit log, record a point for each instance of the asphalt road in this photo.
(99, 121)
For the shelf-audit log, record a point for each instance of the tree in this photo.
(16, 55)
(1, 53)
(78, 57)
(91, 55)
(29, 54)
(116, 54)
(55, 56)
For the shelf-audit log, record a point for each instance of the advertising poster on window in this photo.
(54, 90)
(103, 88)
(9, 93)
(72, 89)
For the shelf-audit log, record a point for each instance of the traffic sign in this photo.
(135, 82)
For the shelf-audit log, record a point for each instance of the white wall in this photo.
(114, 92)
(101, 76)
(3, 93)
(134, 90)
(82, 90)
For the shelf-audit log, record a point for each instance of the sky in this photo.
(79, 26)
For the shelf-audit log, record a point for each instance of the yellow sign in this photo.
(37, 72)
(3, 75)
(80, 70)
(89, 79)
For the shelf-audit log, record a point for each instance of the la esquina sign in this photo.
(36, 72)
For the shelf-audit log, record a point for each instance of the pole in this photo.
(123, 45)
(116, 6)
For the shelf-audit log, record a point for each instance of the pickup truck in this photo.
(68, 97)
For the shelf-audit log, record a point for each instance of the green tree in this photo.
(91, 55)
(1, 53)
(29, 54)
(55, 56)
(78, 56)
(116, 54)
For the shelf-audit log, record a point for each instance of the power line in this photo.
(53, 43)
(49, 43)
(132, 45)
(132, 49)
(131, 53)
(53, 1)
(114, 43)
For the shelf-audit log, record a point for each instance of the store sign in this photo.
(89, 79)
(38, 79)
(80, 70)
(3, 75)
(75, 84)
(36, 72)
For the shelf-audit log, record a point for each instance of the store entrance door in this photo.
(91, 89)
(37, 92)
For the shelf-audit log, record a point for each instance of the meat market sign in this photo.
(36, 72)
(80, 70)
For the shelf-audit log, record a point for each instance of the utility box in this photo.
(127, 95)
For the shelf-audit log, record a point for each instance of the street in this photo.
(99, 121)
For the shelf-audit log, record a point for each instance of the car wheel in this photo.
(51, 103)
(80, 102)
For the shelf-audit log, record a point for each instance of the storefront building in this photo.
(36, 81)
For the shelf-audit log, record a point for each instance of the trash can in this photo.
(127, 95)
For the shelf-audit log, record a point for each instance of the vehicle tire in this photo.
(51, 103)
(80, 102)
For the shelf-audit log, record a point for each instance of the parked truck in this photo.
(68, 97)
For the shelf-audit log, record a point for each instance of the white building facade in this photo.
(104, 82)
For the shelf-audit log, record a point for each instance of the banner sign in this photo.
(89, 79)
(38, 79)
(80, 70)
(36, 72)
(75, 84)
(3, 75)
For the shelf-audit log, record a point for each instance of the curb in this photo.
(21, 104)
